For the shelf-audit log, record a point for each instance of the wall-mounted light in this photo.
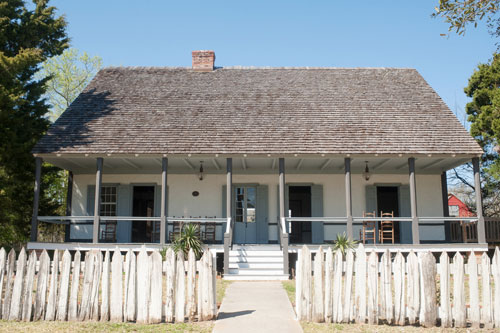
(200, 174)
(366, 173)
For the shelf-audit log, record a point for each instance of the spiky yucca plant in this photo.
(343, 243)
(188, 239)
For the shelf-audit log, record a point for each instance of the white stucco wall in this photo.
(209, 201)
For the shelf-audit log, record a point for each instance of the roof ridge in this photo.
(257, 67)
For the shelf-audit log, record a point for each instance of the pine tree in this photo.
(28, 36)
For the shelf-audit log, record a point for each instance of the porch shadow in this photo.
(224, 315)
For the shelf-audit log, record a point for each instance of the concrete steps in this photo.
(256, 262)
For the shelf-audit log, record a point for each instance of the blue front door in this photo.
(245, 229)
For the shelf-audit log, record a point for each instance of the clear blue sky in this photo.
(383, 33)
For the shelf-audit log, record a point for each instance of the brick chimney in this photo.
(203, 60)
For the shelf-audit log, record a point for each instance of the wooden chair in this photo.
(176, 231)
(369, 229)
(109, 232)
(209, 232)
(386, 231)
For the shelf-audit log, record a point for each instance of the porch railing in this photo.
(79, 220)
(492, 224)
(464, 230)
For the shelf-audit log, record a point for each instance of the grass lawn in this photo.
(320, 328)
(55, 326)
(221, 286)
(289, 287)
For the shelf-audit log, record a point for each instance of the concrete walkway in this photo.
(256, 307)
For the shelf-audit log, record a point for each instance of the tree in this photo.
(28, 36)
(484, 116)
(461, 13)
(69, 74)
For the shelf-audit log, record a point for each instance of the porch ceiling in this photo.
(252, 165)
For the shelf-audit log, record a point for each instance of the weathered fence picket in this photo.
(428, 286)
(337, 287)
(17, 292)
(486, 313)
(399, 291)
(496, 280)
(41, 286)
(130, 286)
(50, 313)
(28, 288)
(170, 287)
(62, 301)
(116, 303)
(348, 308)
(156, 303)
(105, 292)
(75, 283)
(191, 286)
(458, 291)
(473, 291)
(111, 289)
(328, 278)
(318, 314)
(444, 294)
(360, 283)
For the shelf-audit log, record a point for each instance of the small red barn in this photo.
(457, 207)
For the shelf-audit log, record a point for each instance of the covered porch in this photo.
(334, 212)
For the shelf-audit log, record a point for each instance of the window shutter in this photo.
(262, 213)
(224, 215)
(317, 236)
(405, 211)
(371, 199)
(90, 200)
(123, 203)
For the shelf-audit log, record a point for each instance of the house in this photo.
(457, 207)
(272, 157)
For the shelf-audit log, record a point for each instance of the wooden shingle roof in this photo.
(258, 111)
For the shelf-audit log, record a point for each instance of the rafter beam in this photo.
(401, 166)
(378, 165)
(191, 166)
(428, 165)
(299, 164)
(133, 165)
(157, 161)
(216, 165)
(324, 165)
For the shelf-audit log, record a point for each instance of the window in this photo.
(245, 204)
(108, 201)
(453, 210)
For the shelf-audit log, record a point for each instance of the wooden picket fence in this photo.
(143, 288)
(413, 290)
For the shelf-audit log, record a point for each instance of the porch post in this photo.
(348, 196)
(36, 199)
(481, 232)
(97, 205)
(163, 216)
(229, 212)
(446, 212)
(69, 198)
(413, 201)
(284, 232)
